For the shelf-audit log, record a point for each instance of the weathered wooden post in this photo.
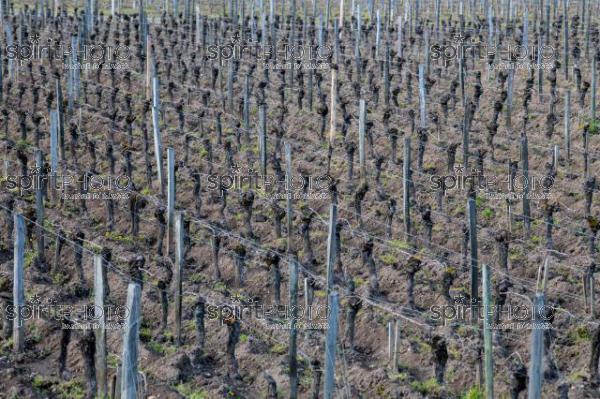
(289, 181)
(331, 245)
(386, 77)
(509, 100)
(362, 123)
(179, 265)
(594, 73)
(230, 84)
(526, 206)
(171, 182)
(262, 131)
(474, 252)
(53, 151)
(19, 284)
(566, 40)
(567, 125)
(330, 346)
(158, 149)
(377, 35)
(39, 211)
(390, 340)
(537, 337)
(129, 358)
(399, 39)
(293, 264)
(406, 188)
(487, 333)
(332, 114)
(396, 344)
(466, 127)
(61, 119)
(246, 104)
(100, 330)
(422, 100)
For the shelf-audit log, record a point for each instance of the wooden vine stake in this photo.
(362, 123)
(474, 266)
(487, 333)
(567, 125)
(594, 73)
(293, 264)
(332, 107)
(170, 198)
(129, 358)
(331, 245)
(330, 346)
(158, 149)
(39, 212)
(526, 205)
(179, 265)
(100, 331)
(406, 188)
(53, 151)
(537, 336)
(288, 168)
(262, 132)
(18, 284)
(422, 100)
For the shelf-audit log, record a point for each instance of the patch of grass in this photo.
(453, 352)
(279, 349)
(427, 387)
(514, 254)
(145, 334)
(388, 259)
(41, 383)
(577, 376)
(487, 213)
(23, 144)
(112, 360)
(399, 377)
(399, 244)
(34, 335)
(29, 258)
(157, 347)
(71, 390)
(594, 128)
(115, 236)
(243, 338)
(188, 391)
(358, 281)
(6, 347)
(473, 393)
(578, 334)
(197, 278)
(220, 286)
